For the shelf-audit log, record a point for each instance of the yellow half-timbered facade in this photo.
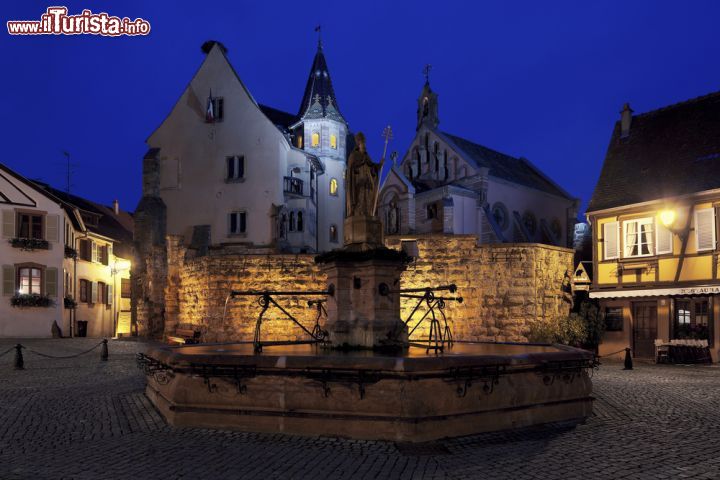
(654, 218)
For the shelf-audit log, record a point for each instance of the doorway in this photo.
(644, 329)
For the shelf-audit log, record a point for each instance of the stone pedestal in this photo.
(359, 315)
(362, 233)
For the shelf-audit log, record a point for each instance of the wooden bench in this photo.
(185, 336)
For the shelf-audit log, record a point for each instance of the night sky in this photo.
(543, 80)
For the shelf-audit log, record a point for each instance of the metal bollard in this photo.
(628, 360)
(104, 351)
(19, 362)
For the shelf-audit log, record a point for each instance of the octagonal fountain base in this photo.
(306, 390)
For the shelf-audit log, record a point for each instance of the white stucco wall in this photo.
(30, 321)
(193, 159)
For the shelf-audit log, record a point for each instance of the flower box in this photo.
(69, 303)
(70, 252)
(31, 300)
(30, 243)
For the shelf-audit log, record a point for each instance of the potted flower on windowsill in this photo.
(30, 243)
(70, 252)
(69, 303)
(31, 300)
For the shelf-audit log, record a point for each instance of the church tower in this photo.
(427, 112)
(323, 131)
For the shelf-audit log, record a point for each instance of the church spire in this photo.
(319, 85)
(427, 112)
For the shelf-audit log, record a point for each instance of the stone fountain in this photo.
(360, 375)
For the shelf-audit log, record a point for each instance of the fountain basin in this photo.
(414, 396)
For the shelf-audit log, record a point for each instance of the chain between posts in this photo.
(20, 361)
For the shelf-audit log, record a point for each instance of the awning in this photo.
(658, 292)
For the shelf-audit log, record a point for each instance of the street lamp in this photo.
(667, 217)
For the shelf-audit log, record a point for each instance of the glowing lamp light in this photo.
(667, 217)
(121, 264)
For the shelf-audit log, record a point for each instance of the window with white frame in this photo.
(29, 281)
(639, 237)
(237, 223)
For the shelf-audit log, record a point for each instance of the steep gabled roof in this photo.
(282, 120)
(319, 86)
(515, 170)
(668, 152)
(117, 227)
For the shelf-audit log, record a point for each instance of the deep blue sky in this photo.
(544, 80)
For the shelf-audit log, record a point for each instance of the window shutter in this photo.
(8, 279)
(705, 229)
(664, 239)
(51, 275)
(52, 226)
(93, 254)
(610, 240)
(109, 294)
(109, 252)
(93, 292)
(8, 223)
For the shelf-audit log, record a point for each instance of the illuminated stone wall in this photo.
(201, 286)
(506, 287)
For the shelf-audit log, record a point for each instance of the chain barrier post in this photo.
(628, 360)
(104, 351)
(19, 362)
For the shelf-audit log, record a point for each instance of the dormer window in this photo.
(315, 140)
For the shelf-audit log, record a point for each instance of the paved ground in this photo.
(86, 419)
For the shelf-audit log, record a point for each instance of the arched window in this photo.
(445, 164)
(315, 139)
(501, 215)
(300, 222)
(409, 171)
(436, 149)
(333, 141)
(417, 159)
(333, 234)
(426, 107)
(333, 187)
(299, 141)
(291, 222)
(530, 222)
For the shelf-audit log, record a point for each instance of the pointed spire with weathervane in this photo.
(319, 86)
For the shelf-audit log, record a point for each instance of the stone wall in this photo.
(200, 287)
(505, 288)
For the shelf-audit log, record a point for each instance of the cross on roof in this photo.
(318, 29)
(426, 72)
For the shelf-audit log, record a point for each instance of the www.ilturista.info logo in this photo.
(56, 21)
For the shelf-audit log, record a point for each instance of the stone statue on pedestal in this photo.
(363, 179)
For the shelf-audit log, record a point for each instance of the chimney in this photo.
(116, 207)
(625, 120)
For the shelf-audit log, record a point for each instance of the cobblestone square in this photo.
(86, 419)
